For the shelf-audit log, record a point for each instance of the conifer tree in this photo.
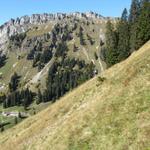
(81, 36)
(13, 82)
(133, 18)
(2, 59)
(39, 97)
(15, 120)
(143, 25)
(111, 54)
(134, 11)
(123, 37)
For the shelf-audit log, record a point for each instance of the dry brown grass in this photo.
(114, 114)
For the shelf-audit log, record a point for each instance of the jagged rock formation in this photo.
(21, 25)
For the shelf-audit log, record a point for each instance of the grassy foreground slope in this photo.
(113, 114)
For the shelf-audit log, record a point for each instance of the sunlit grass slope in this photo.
(107, 113)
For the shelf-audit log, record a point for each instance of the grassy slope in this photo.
(24, 67)
(37, 30)
(111, 115)
(86, 52)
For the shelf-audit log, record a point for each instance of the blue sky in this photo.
(16, 8)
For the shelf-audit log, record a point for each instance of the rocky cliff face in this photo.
(20, 25)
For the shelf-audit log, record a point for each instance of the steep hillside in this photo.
(33, 35)
(43, 56)
(111, 111)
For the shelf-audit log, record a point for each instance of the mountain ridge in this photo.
(18, 40)
(22, 24)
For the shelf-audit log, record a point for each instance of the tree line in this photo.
(64, 75)
(15, 96)
(130, 33)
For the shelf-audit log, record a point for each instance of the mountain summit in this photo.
(23, 24)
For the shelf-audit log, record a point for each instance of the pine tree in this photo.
(39, 97)
(46, 56)
(123, 37)
(143, 25)
(61, 50)
(111, 54)
(2, 59)
(36, 59)
(133, 18)
(81, 36)
(27, 98)
(13, 82)
(15, 120)
(134, 11)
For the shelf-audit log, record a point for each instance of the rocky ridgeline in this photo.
(20, 25)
